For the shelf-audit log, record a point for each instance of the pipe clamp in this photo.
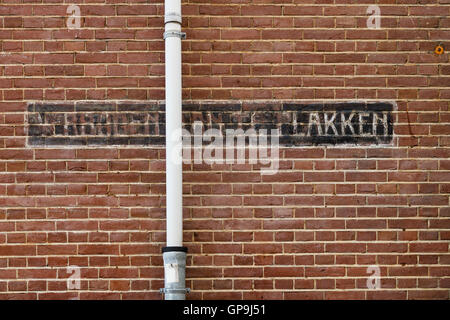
(168, 290)
(174, 33)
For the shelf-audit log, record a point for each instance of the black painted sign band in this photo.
(109, 124)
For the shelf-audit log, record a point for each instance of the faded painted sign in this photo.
(104, 123)
(349, 123)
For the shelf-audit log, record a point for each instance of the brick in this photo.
(280, 272)
(98, 249)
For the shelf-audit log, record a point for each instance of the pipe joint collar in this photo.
(172, 17)
(174, 249)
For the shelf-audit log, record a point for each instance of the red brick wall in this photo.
(308, 232)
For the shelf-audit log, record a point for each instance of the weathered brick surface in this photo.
(308, 232)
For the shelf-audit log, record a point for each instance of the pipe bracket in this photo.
(174, 33)
(169, 290)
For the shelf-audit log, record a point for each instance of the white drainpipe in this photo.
(174, 253)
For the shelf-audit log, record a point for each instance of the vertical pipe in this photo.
(173, 123)
(174, 254)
